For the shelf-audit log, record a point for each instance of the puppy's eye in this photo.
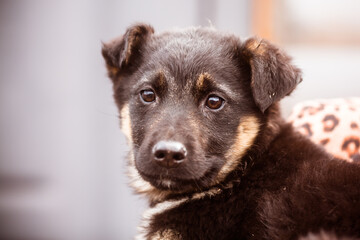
(147, 96)
(214, 102)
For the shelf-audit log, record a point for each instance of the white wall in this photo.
(328, 72)
(60, 142)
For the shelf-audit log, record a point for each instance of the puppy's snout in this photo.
(169, 154)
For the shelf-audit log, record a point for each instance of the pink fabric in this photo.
(333, 123)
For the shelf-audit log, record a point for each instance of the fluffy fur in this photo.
(238, 170)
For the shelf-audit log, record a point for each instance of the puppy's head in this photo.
(192, 102)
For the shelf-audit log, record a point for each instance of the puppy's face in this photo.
(188, 104)
(185, 106)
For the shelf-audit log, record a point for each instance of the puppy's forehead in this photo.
(189, 55)
(191, 51)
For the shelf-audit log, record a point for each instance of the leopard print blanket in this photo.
(333, 123)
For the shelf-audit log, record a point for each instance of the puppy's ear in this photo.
(124, 53)
(272, 74)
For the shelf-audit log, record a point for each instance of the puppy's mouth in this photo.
(168, 182)
(172, 165)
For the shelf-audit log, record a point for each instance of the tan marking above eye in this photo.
(161, 78)
(202, 79)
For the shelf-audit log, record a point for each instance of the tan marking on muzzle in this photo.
(140, 185)
(125, 124)
(246, 134)
(136, 181)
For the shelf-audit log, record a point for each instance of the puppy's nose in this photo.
(169, 154)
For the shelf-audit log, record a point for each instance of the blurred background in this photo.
(62, 155)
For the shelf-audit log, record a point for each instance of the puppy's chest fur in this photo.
(226, 215)
(276, 198)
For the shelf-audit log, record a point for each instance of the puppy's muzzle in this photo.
(169, 154)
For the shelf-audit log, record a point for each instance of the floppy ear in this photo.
(124, 52)
(272, 74)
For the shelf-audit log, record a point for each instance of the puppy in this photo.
(209, 148)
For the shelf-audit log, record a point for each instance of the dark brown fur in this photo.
(282, 186)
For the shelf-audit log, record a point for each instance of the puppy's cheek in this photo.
(137, 182)
(125, 124)
(141, 186)
(247, 131)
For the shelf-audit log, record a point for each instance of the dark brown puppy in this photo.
(208, 145)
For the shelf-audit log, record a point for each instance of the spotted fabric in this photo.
(333, 123)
